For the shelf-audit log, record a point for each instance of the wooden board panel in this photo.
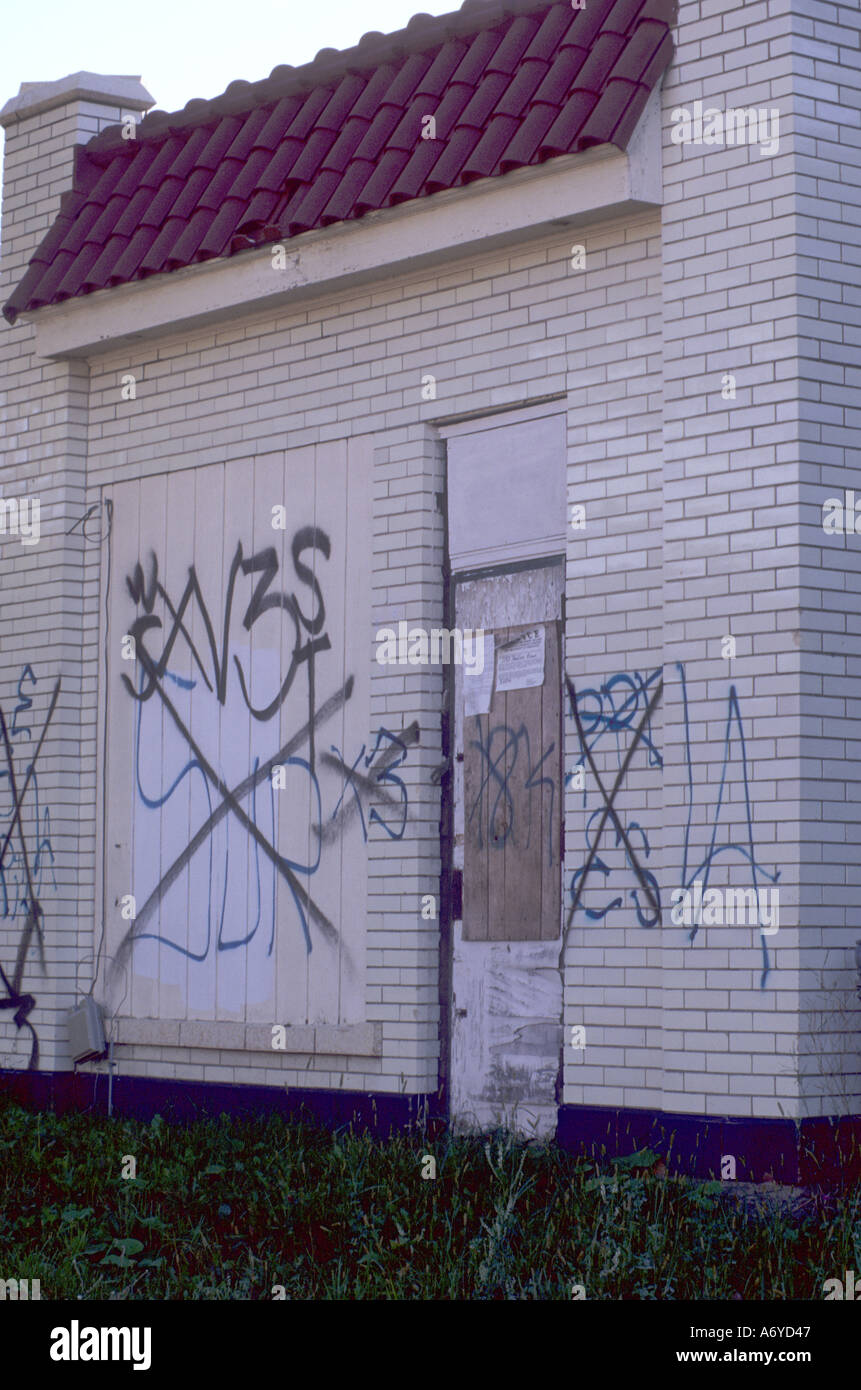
(521, 855)
(326, 609)
(205, 873)
(353, 666)
(512, 808)
(120, 555)
(172, 775)
(296, 933)
(149, 758)
(268, 639)
(476, 883)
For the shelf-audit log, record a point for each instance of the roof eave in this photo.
(569, 191)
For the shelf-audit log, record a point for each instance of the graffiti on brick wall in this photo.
(213, 757)
(617, 716)
(26, 852)
(508, 798)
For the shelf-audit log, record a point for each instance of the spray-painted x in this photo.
(609, 808)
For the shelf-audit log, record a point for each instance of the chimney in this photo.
(43, 492)
(43, 124)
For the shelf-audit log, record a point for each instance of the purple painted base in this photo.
(785, 1151)
(141, 1097)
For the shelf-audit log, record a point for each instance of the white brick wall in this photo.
(702, 520)
(43, 446)
(825, 47)
(319, 373)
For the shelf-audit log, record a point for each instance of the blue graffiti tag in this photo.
(498, 773)
(610, 712)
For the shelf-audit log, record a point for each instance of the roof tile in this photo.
(75, 278)
(313, 156)
(411, 180)
(457, 149)
(162, 202)
(622, 16)
(509, 83)
(488, 92)
(633, 110)
(46, 290)
(442, 69)
(658, 62)
(636, 52)
(250, 134)
(104, 225)
(99, 276)
(379, 185)
(190, 151)
(492, 145)
(347, 143)
(568, 125)
(585, 26)
(473, 66)
(260, 209)
(408, 132)
(160, 249)
(128, 223)
(520, 91)
(609, 110)
(153, 172)
(278, 171)
(556, 86)
(513, 46)
(447, 115)
(530, 133)
(274, 126)
(603, 56)
(191, 193)
(131, 177)
(316, 197)
(376, 137)
(127, 265)
(342, 101)
(220, 230)
(188, 243)
(407, 82)
(545, 44)
(343, 200)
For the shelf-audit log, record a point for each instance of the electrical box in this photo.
(86, 1030)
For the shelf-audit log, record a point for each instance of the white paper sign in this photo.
(520, 663)
(478, 689)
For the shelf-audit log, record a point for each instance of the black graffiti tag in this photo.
(23, 1004)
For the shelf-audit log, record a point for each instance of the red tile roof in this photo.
(510, 83)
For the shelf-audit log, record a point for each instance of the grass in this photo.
(223, 1209)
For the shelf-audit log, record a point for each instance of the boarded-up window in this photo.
(512, 806)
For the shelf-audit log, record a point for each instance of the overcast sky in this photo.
(185, 48)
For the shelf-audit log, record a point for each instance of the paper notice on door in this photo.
(478, 686)
(520, 663)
